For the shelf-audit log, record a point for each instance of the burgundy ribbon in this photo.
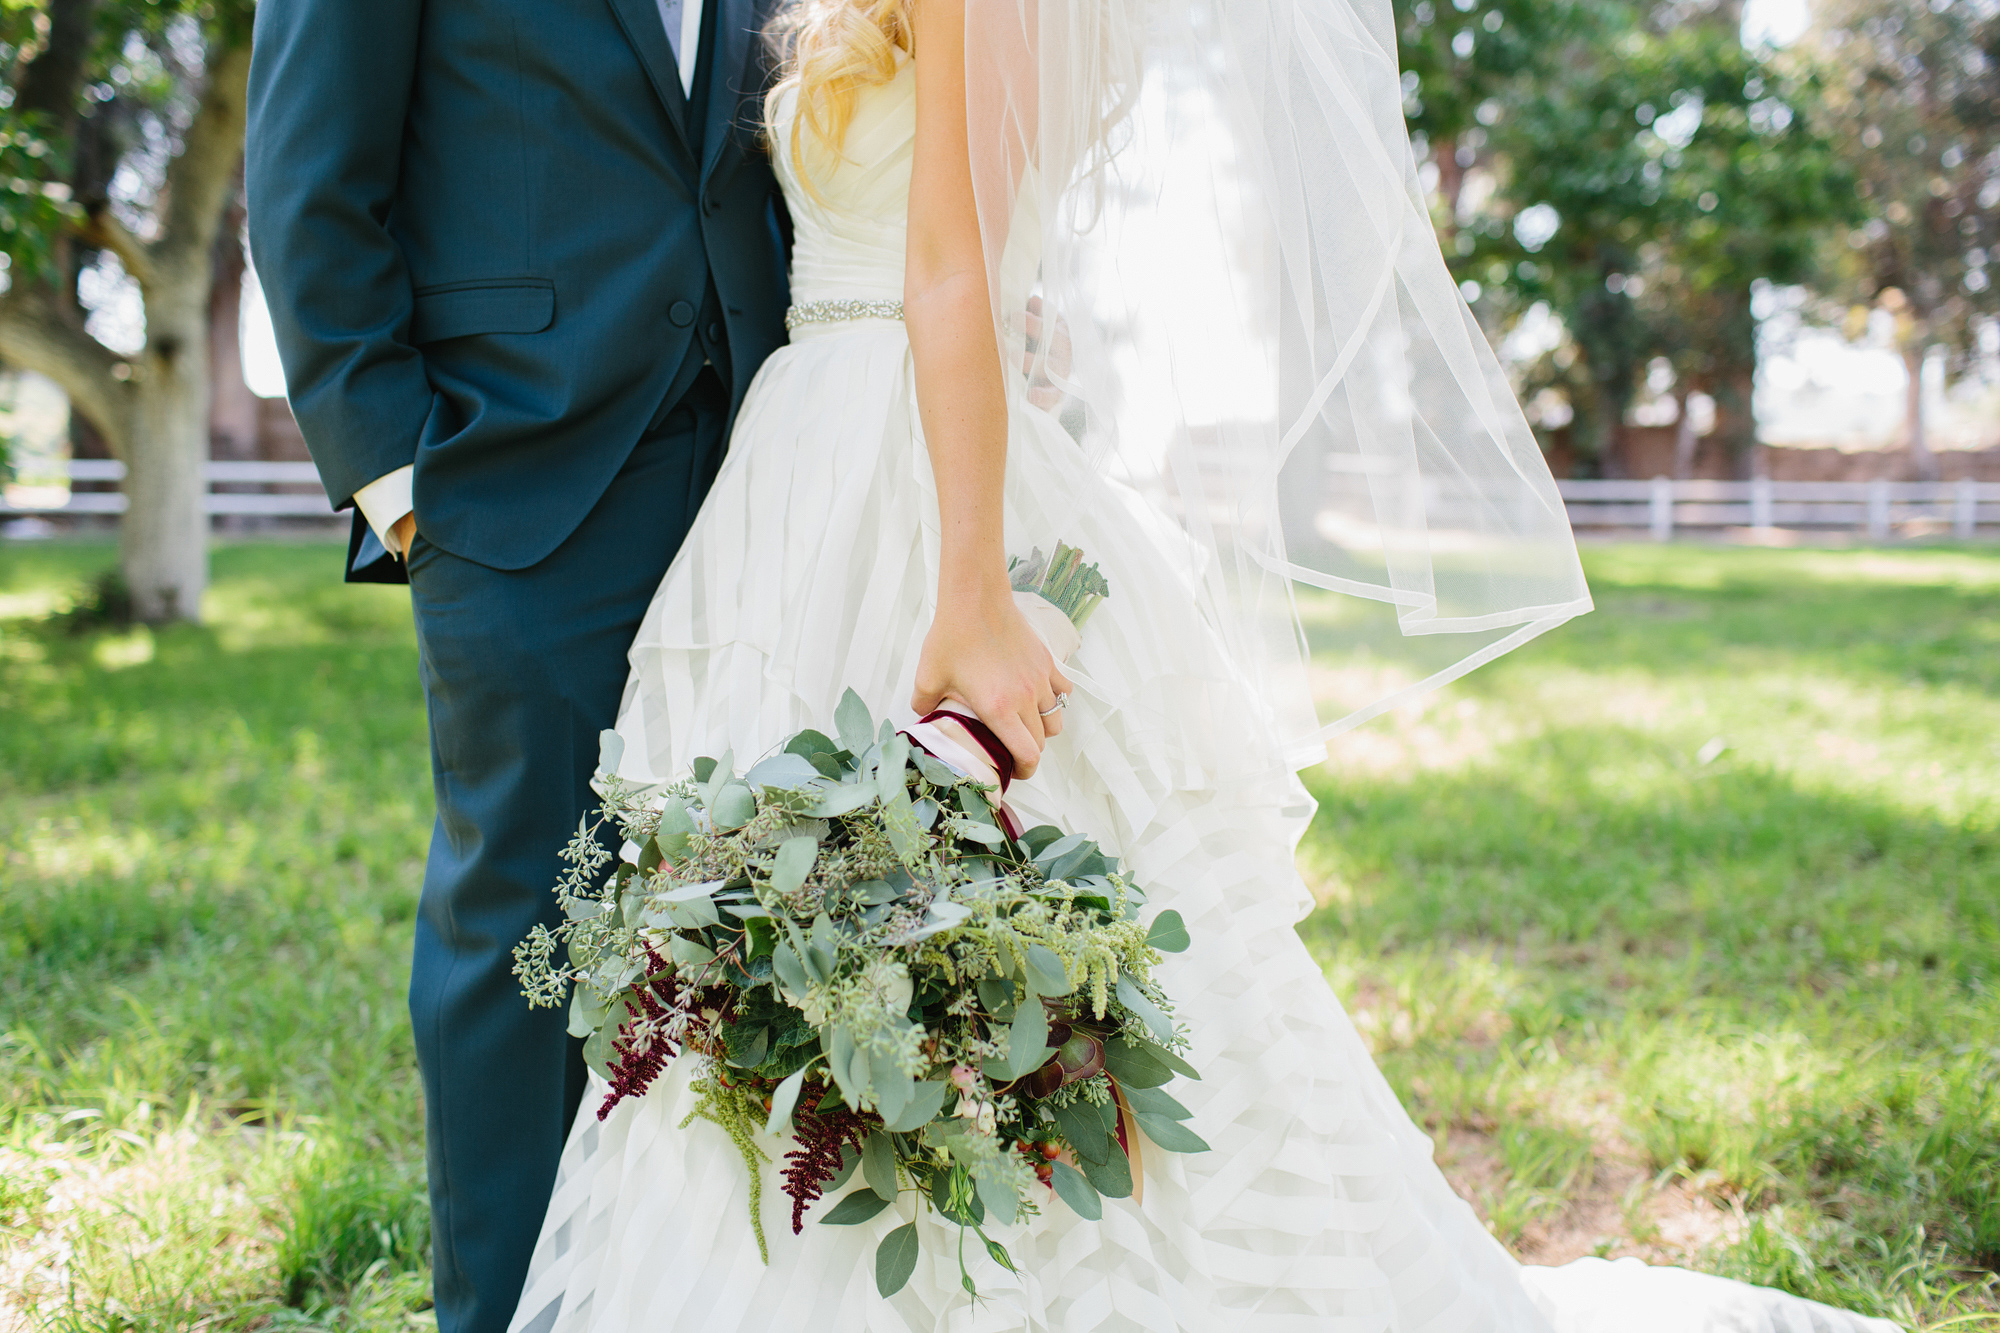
(997, 754)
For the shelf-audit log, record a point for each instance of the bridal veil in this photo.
(1219, 200)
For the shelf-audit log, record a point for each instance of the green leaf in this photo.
(874, 892)
(782, 1102)
(787, 772)
(1134, 1065)
(1168, 933)
(854, 722)
(844, 800)
(597, 1052)
(809, 743)
(850, 1158)
(896, 1256)
(1139, 1003)
(922, 1107)
(587, 1011)
(685, 950)
(1111, 1176)
(1077, 1192)
(1170, 1134)
(704, 769)
(878, 1165)
(998, 1195)
(1054, 851)
(1151, 1101)
(792, 864)
(893, 1088)
(790, 971)
(747, 1050)
(610, 751)
(890, 776)
(1046, 972)
(858, 1207)
(1027, 1041)
(997, 994)
(734, 807)
(1084, 1128)
(1039, 837)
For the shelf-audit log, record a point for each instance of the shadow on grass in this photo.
(1787, 991)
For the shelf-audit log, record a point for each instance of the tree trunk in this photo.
(163, 541)
(1685, 440)
(1734, 385)
(1921, 458)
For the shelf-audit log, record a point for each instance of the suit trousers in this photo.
(521, 671)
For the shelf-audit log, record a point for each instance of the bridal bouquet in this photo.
(854, 942)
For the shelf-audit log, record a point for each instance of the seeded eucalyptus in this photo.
(857, 953)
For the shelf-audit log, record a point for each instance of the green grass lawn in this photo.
(1679, 928)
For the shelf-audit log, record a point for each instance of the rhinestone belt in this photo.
(835, 312)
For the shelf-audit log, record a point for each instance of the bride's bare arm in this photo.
(980, 651)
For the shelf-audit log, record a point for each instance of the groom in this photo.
(523, 258)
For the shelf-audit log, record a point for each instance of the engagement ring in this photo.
(1062, 702)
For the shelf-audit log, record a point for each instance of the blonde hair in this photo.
(831, 50)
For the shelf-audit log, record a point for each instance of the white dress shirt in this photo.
(385, 500)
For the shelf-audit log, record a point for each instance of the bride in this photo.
(1268, 379)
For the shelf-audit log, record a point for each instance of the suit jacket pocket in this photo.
(495, 305)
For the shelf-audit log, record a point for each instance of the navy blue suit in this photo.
(501, 245)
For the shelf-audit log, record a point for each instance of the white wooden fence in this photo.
(1878, 508)
(271, 503)
(1661, 507)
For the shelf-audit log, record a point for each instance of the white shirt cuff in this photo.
(384, 501)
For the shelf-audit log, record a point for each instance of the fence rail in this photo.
(1660, 506)
(1663, 506)
(25, 500)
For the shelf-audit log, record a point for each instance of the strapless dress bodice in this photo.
(848, 238)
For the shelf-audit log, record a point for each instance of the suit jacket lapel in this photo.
(641, 21)
(731, 77)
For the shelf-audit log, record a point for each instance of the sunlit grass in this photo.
(1711, 881)
(1679, 928)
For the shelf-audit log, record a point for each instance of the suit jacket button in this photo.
(681, 313)
(715, 331)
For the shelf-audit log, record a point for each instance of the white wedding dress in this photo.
(809, 571)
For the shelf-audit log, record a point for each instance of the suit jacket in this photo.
(486, 229)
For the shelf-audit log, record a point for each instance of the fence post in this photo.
(1662, 512)
(1878, 509)
(1965, 509)
(1760, 503)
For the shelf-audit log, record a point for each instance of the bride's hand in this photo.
(990, 660)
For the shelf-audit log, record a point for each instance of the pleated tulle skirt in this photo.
(1319, 1208)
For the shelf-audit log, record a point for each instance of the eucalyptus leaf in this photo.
(1111, 1175)
(1134, 1064)
(1168, 933)
(997, 994)
(584, 909)
(587, 1011)
(782, 1102)
(926, 811)
(838, 1044)
(809, 743)
(1078, 1192)
(704, 769)
(1052, 852)
(1040, 837)
(787, 772)
(1170, 1134)
(936, 771)
(893, 1088)
(1084, 1128)
(685, 950)
(948, 914)
(1141, 1004)
(983, 834)
(792, 864)
(858, 1207)
(1046, 972)
(844, 800)
(610, 751)
(878, 1165)
(791, 973)
(871, 892)
(1151, 1101)
(1027, 1041)
(734, 807)
(748, 911)
(698, 914)
(854, 722)
(896, 1259)
(850, 1159)
(597, 1052)
(688, 892)
(998, 1195)
(922, 1108)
